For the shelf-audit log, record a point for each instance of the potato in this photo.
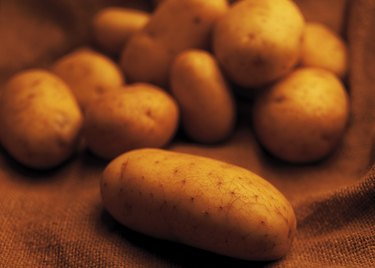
(206, 103)
(200, 202)
(258, 41)
(176, 25)
(302, 117)
(145, 59)
(113, 26)
(330, 54)
(40, 121)
(89, 74)
(139, 115)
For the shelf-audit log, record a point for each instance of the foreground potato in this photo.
(89, 74)
(199, 201)
(258, 41)
(113, 26)
(40, 121)
(322, 48)
(174, 26)
(302, 117)
(207, 106)
(136, 116)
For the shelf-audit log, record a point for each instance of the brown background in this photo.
(55, 218)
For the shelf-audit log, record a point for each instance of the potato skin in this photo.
(206, 103)
(198, 201)
(302, 117)
(146, 59)
(136, 116)
(113, 26)
(175, 25)
(330, 54)
(89, 74)
(40, 120)
(258, 41)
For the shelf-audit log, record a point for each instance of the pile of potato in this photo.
(182, 66)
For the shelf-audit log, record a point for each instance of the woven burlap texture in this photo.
(56, 219)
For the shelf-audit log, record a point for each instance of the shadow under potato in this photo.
(179, 255)
(11, 164)
(84, 160)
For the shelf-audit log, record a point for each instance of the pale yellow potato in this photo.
(89, 74)
(40, 119)
(136, 116)
(303, 117)
(200, 202)
(113, 26)
(258, 41)
(323, 48)
(206, 103)
(175, 25)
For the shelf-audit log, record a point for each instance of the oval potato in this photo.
(40, 120)
(146, 59)
(258, 41)
(136, 116)
(206, 103)
(173, 27)
(199, 201)
(113, 26)
(89, 74)
(330, 54)
(302, 117)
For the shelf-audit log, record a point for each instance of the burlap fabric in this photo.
(55, 218)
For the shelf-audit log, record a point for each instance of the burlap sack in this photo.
(55, 218)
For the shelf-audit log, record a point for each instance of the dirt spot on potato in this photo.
(148, 113)
(258, 60)
(251, 36)
(36, 82)
(124, 165)
(123, 168)
(280, 99)
(30, 96)
(197, 20)
(99, 90)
